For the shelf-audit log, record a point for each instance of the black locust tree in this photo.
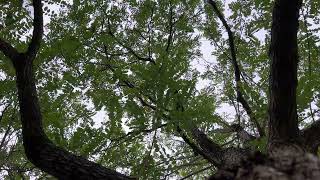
(289, 154)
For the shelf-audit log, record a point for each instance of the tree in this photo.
(133, 59)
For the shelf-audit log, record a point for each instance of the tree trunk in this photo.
(283, 124)
(287, 157)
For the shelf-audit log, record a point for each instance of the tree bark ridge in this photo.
(283, 124)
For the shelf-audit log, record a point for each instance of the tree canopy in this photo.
(154, 89)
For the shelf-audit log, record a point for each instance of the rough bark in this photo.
(38, 148)
(288, 165)
(283, 124)
(287, 157)
(227, 159)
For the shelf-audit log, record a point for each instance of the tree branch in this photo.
(237, 71)
(8, 50)
(227, 158)
(3, 141)
(129, 49)
(42, 152)
(12, 53)
(211, 150)
(196, 149)
(243, 134)
(171, 31)
(4, 111)
(37, 30)
(208, 149)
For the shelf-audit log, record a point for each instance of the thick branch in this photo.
(237, 72)
(243, 134)
(211, 157)
(209, 150)
(207, 146)
(38, 148)
(227, 158)
(169, 41)
(9, 51)
(283, 124)
(37, 30)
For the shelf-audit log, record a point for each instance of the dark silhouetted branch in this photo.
(4, 111)
(129, 49)
(171, 24)
(8, 50)
(4, 138)
(38, 148)
(237, 72)
(37, 30)
(197, 150)
(137, 132)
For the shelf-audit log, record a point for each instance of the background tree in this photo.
(143, 66)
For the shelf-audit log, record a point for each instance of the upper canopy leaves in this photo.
(144, 67)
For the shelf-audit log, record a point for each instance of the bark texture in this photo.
(287, 157)
(283, 124)
(288, 165)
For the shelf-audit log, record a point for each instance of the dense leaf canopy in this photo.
(116, 78)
